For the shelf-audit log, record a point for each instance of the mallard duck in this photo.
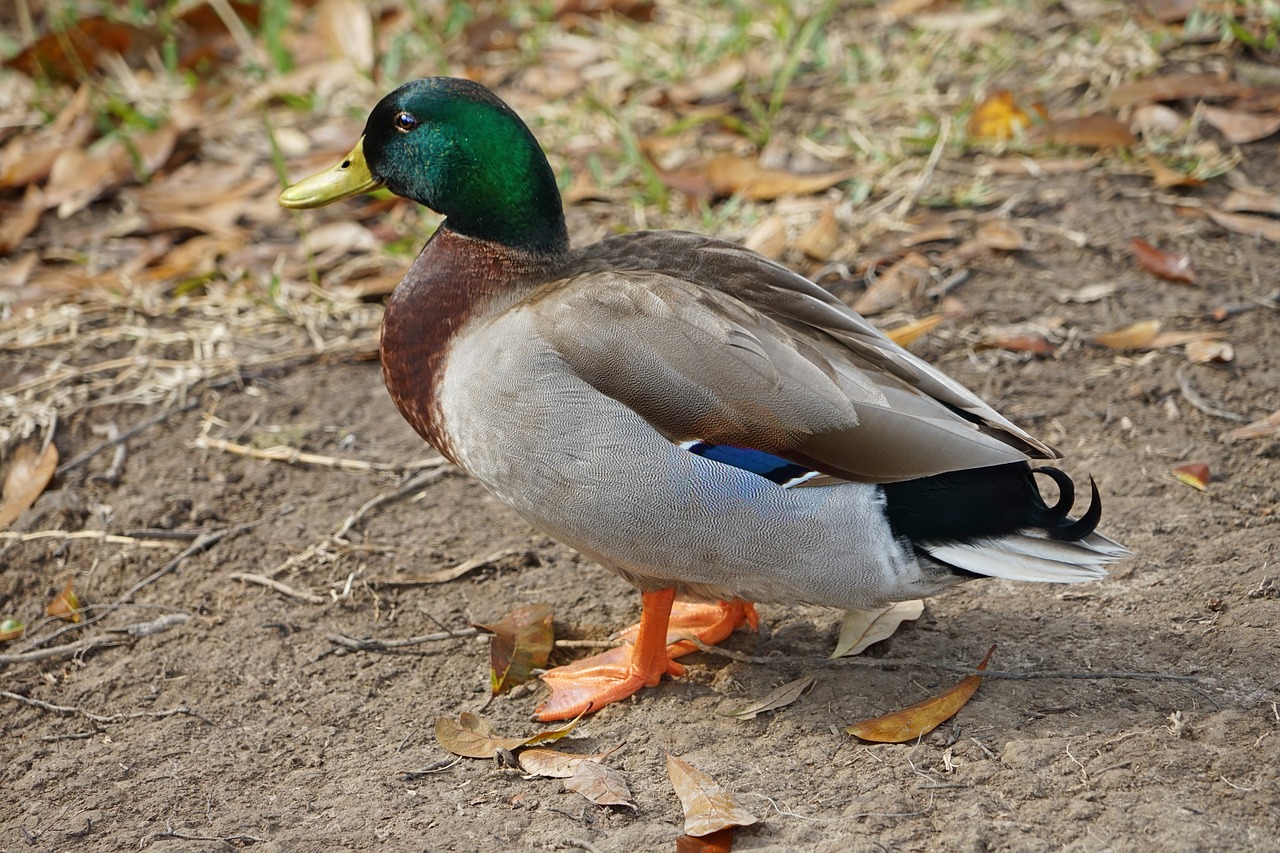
(696, 418)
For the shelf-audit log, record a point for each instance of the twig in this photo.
(1193, 397)
(926, 175)
(298, 457)
(99, 535)
(239, 839)
(69, 650)
(902, 663)
(125, 436)
(356, 644)
(70, 710)
(204, 543)
(427, 478)
(283, 589)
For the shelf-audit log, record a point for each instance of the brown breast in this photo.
(454, 280)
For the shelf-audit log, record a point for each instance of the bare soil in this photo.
(247, 726)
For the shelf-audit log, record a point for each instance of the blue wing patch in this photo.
(773, 468)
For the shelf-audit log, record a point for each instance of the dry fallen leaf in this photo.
(732, 175)
(472, 737)
(11, 629)
(1095, 131)
(29, 471)
(77, 51)
(769, 238)
(1135, 336)
(1000, 236)
(1174, 87)
(905, 334)
(822, 240)
(521, 643)
(779, 697)
(1166, 177)
(1250, 226)
(65, 605)
(1204, 351)
(919, 719)
(1194, 474)
(899, 283)
(1240, 127)
(707, 807)
(1265, 428)
(1095, 292)
(555, 764)
(1252, 201)
(1171, 266)
(861, 628)
(347, 29)
(720, 841)
(998, 117)
(599, 784)
(1032, 342)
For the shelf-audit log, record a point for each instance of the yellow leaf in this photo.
(1194, 474)
(921, 718)
(904, 335)
(1135, 336)
(472, 737)
(65, 605)
(998, 117)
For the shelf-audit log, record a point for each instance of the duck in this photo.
(713, 427)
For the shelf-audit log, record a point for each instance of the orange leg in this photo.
(591, 683)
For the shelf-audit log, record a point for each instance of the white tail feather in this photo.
(1029, 556)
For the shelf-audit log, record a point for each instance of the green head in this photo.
(454, 146)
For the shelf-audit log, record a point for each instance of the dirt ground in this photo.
(246, 725)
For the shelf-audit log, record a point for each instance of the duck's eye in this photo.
(405, 122)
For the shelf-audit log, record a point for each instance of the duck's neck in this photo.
(454, 280)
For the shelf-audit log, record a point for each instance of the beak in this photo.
(348, 178)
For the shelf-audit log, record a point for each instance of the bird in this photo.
(713, 427)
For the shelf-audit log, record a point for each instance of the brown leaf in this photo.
(1174, 87)
(1032, 342)
(905, 334)
(1166, 177)
(1193, 474)
(769, 238)
(76, 52)
(1171, 266)
(1000, 236)
(1252, 201)
(931, 228)
(1239, 127)
(1265, 428)
(30, 470)
(521, 642)
(555, 764)
(860, 629)
(1095, 131)
(1169, 11)
(779, 697)
(709, 87)
(65, 605)
(599, 784)
(720, 841)
(998, 117)
(921, 718)
(733, 175)
(347, 29)
(19, 219)
(11, 629)
(822, 239)
(707, 807)
(472, 737)
(1164, 340)
(27, 158)
(1135, 336)
(1206, 351)
(899, 283)
(1250, 226)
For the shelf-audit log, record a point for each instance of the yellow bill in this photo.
(347, 178)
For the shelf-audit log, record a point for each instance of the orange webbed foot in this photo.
(663, 634)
